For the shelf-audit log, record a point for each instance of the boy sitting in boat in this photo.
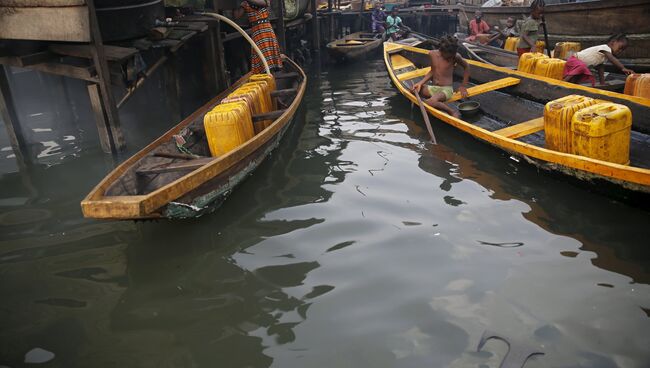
(577, 67)
(395, 29)
(443, 62)
(530, 28)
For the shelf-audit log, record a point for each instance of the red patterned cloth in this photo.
(264, 38)
(577, 67)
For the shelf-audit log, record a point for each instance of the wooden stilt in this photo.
(116, 137)
(10, 118)
(97, 104)
(280, 30)
(224, 81)
(315, 27)
(172, 87)
(214, 85)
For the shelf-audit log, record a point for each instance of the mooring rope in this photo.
(243, 33)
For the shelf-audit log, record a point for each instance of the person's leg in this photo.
(437, 101)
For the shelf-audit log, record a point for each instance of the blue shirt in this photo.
(393, 24)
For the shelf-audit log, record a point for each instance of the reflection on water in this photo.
(356, 244)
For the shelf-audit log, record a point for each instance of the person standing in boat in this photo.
(263, 35)
(443, 62)
(576, 69)
(478, 28)
(529, 32)
(378, 19)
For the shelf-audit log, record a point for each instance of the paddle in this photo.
(425, 116)
(548, 47)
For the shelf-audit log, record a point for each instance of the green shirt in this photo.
(529, 27)
(393, 24)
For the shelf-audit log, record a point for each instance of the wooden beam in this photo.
(413, 74)
(101, 65)
(113, 53)
(285, 75)
(172, 89)
(522, 129)
(10, 118)
(86, 73)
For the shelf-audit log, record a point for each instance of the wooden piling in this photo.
(280, 31)
(315, 27)
(110, 114)
(10, 118)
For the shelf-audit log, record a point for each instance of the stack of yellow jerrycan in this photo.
(550, 67)
(528, 61)
(602, 131)
(564, 50)
(511, 44)
(557, 120)
(638, 85)
(228, 126)
(259, 97)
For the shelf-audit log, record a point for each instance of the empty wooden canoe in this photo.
(354, 46)
(513, 105)
(165, 181)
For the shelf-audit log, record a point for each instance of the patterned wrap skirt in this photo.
(265, 39)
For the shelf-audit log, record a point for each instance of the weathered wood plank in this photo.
(487, 87)
(268, 116)
(78, 72)
(284, 92)
(175, 167)
(113, 53)
(69, 23)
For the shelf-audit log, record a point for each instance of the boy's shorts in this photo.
(447, 90)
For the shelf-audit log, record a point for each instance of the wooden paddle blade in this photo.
(425, 116)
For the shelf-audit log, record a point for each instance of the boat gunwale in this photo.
(604, 169)
(142, 206)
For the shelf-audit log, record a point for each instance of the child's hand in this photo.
(463, 91)
(627, 71)
(416, 88)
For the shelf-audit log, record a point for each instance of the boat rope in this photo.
(243, 33)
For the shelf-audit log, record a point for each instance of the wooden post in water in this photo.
(280, 30)
(172, 89)
(330, 19)
(10, 118)
(315, 28)
(104, 107)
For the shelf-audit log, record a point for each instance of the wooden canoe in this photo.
(587, 22)
(513, 104)
(500, 57)
(161, 182)
(354, 46)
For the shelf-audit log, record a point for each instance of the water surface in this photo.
(357, 244)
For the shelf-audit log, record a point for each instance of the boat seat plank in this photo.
(189, 165)
(284, 92)
(522, 129)
(400, 62)
(413, 74)
(487, 87)
(268, 116)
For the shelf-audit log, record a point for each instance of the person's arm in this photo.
(427, 77)
(524, 36)
(463, 86)
(485, 28)
(612, 59)
(601, 74)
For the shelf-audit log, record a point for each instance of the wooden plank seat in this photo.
(188, 165)
(522, 129)
(268, 116)
(284, 92)
(487, 87)
(417, 73)
(285, 75)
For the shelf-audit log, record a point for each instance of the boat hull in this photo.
(199, 191)
(340, 52)
(589, 22)
(632, 181)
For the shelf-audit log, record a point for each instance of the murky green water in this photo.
(356, 245)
